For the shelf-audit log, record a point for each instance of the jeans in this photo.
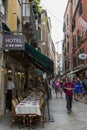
(69, 102)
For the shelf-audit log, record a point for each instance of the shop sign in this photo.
(13, 42)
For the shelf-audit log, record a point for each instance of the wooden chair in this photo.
(19, 99)
(16, 117)
(42, 107)
(37, 117)
(16, 100)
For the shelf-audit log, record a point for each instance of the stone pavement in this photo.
(77, 120)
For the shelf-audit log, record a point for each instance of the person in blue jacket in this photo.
(80, 89)
(76, 90)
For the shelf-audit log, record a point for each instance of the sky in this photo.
(55, 10)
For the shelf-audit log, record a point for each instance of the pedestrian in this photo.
(76, 90)
(10, 89)
(52, 86)
(61, 88)
(69, 86)
(57, 87)
(80, 89)
(84, 83)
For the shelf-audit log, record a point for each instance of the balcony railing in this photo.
(37, 32)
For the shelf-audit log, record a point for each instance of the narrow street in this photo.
(77, 120)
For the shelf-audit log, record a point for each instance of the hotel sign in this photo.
(13, 42)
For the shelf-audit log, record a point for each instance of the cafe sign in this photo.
(13, 42)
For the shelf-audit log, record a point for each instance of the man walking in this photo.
(69, 86)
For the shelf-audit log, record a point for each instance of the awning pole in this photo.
(50, 118)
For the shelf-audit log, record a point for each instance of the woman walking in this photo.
(57, 87)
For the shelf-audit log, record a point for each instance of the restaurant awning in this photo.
(35, 56)
(6, 29)
(39, 59)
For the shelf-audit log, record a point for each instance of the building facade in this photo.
(20, 35)
(78, 38)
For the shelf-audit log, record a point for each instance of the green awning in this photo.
(39, 72)
(6, 29)
(39, 59)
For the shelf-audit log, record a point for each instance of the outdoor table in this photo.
(32, 108)
(28, 106)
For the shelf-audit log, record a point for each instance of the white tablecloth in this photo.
(28, 107)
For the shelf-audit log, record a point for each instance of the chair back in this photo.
(14, 104)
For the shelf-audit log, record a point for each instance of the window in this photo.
(65, 38)
(24, 1)
(74, 2)
(2, 6)
(73, 25)
(67, 19)
(80, 38)
(68, 47)
(80, 8)
(64, 27)
(25, 9)
(74, 61)
(65, 51)
(74, 42)
(18, 24)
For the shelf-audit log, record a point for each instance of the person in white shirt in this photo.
(10, 87)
